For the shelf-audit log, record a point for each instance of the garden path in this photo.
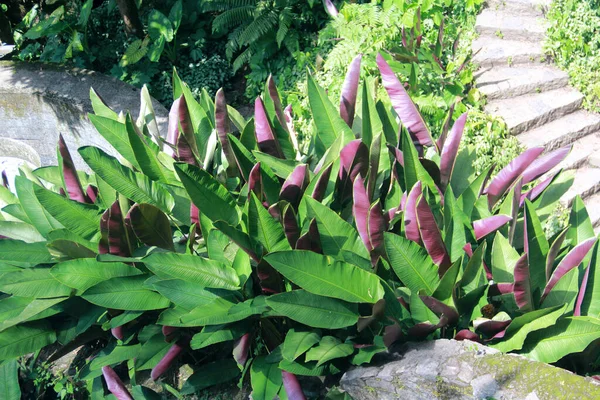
(533, 95)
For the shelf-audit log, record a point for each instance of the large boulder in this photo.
(39, 101)
(447, 369)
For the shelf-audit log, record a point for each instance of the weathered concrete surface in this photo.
(447, 369)
(37, 102)
(14, 154)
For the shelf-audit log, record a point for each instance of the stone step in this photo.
(505, 82)
(592, 204)
(495, 52)
(535, 8)
(585, 184)
(581, 153)
(511, 26)
(562, 131)
(530, 111)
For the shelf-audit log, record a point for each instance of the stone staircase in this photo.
(533, 95)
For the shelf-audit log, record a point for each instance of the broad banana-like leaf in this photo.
(354, 161)
(432, 238)
(311, 239)
(522, 286)
(316, 274)
(410, 214)
(294, 186)
(267, 142)
(223, 126)
(151, 226)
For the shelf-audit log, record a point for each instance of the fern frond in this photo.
(223, 5)
(285, 21)
(234, 17)
(262, 25)
(242, 59)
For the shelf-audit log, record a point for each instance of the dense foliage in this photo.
(228, 248)
(574, 43)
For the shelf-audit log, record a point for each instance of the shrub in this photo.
(240, 255)
(573, 41)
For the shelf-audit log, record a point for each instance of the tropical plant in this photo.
(261, 27)
(226, 247)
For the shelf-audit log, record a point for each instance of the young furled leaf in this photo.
(349, 91)
(450, 150)
(71, 179)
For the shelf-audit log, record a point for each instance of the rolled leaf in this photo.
(370, 221)
(491, 327)
(349, 90)
(223, 126)
(553, 252)
(72, 183)
(274, 96)
(466, 334)
(581, 293)
(255, 182)
(114, 384)
(440, 309)
(165, 363)
(331, 10)
(537, 190)
(544, 164)
(292, 387)
(354, 161)
(290, 226)
(509, 174)
(522, 285)
(469, 250)
(289, 123)
(112, 228)
(571, 260)
(267, 142)
(432, 239)
(410, 214)
(180, 123)
(241, 348)
(404, 106)
(151, 226)
(450, 150)
(92, 193)
(484, 227)
(320, 187)
(294, 186)
(311, 239)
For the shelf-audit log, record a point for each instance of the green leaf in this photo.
(580, 225)
(298, 342)
(504, 259)
(118, 354)
(20, 231)
(84, 15)
(26, 338)
(9, 380)
(82, 274)
(313, 310)
(43, 221)
(115, 133)
(18, 251)
(81, 219)
(316, 274)
(14, 310)
(34, 282)
(218, 334)
(282, 168)
(218, 312)
(326, 117)
(100, 108)
(201, 271)
(329, 348)
(305, 369)
(413, 169)
(125, 293)
(175, 15)
(565, 291)
(568, 335)
(538, 250)
(335, 233)
(591, 301)
(133, 185)
(463, 170)
(151, 226)
(159, 25)
(454, 226)
(521, 326)
(411, 263)
(265, 379)
(152, 352)
(145, 156)
(188, 294)
(365, 354)
(211, 374)
(264, 228)
(211, 198)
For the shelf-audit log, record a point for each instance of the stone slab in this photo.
(495, 52)
(536, 8)
(506, 82)
(509, 25)
(38, 102)
(530, 111)
(447, 369)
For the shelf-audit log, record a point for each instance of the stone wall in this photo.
(447, 369)
(37, 102)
